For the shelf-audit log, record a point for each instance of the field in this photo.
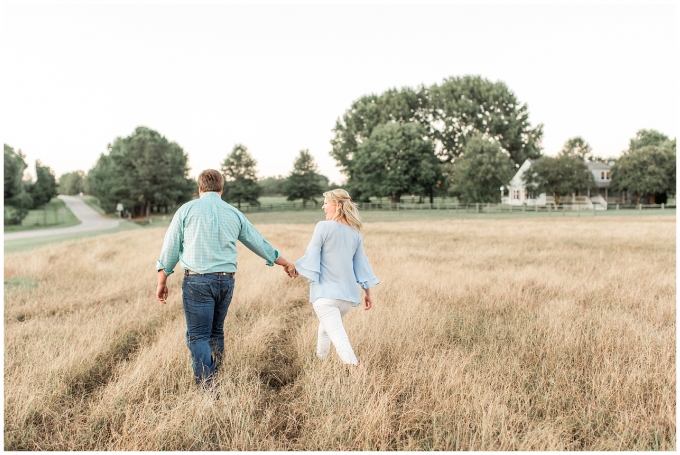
(487, 334)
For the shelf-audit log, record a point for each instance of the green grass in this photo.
(93, 202)
(36, 218)
(23, 282)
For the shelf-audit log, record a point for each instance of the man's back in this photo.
(202, 237)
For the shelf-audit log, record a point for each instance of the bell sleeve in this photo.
(362, 269)
(309, 265)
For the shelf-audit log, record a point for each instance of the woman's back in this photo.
(335, 262)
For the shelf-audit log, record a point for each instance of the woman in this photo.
(334, 262)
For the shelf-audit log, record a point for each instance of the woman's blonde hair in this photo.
(345, 208)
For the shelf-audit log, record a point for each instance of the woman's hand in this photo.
(291, 271)
(288, 267)
(368, 301)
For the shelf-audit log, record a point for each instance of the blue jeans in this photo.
(206, 299)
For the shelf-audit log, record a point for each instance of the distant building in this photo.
(596, 198)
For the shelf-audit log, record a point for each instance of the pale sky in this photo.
(277, 77)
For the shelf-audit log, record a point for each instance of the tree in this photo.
(397, 159)
(577, 146)
(481, 171)
(71, 183)
(462, 107)
(240, 177)
(142, 171)
(648, 170)
(45, 186)
(18, 200)
(13, 171)
(304, 181)
(560, 176)
(644, 138)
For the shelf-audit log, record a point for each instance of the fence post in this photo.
(548, 208)
(476, 207)
(662, 205)
(617, 206)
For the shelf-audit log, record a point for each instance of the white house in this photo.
(596, 199)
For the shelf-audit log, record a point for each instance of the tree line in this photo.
(463, 138)
(242, 186)
(645, 169)
(467, 137)
(21, 192)
(145, 172)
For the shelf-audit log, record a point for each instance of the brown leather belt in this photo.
(191, 272)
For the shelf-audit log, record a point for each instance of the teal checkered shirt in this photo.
(202, 237)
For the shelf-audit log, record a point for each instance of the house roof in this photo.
(596, 166)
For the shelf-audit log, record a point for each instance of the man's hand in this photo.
(162, 293)
(162, 289)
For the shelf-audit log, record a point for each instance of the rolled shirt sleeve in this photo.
(172, 246)
(254, 241)
(362, 269)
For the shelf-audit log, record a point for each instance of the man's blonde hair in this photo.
(346, 209)
(210, 180)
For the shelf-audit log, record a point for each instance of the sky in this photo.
(277, 77)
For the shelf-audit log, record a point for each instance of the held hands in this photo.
(288, 267)
(290, 270)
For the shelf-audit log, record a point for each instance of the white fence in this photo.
(457, 207)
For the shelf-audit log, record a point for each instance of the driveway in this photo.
(90, 221)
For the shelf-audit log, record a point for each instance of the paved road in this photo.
(90, 221)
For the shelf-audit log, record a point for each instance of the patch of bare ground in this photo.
(529, 334)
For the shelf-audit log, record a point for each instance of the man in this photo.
(202, 238)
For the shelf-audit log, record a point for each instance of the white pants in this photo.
(330, 313)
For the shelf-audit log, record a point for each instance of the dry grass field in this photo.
(516, 334)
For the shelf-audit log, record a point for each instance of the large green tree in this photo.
(13, 171)
(647, 170)
(462, 107)
(71, 183)
(142, 171)
(644, 138)
(559, 176)
(481, 171)
(578, 146)
(397, 159)
(17, 199)
(45, 186)
(304, 182)
(240, 177)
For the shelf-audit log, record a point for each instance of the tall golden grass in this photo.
(486, 335)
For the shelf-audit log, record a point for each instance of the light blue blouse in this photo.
(334, 262)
